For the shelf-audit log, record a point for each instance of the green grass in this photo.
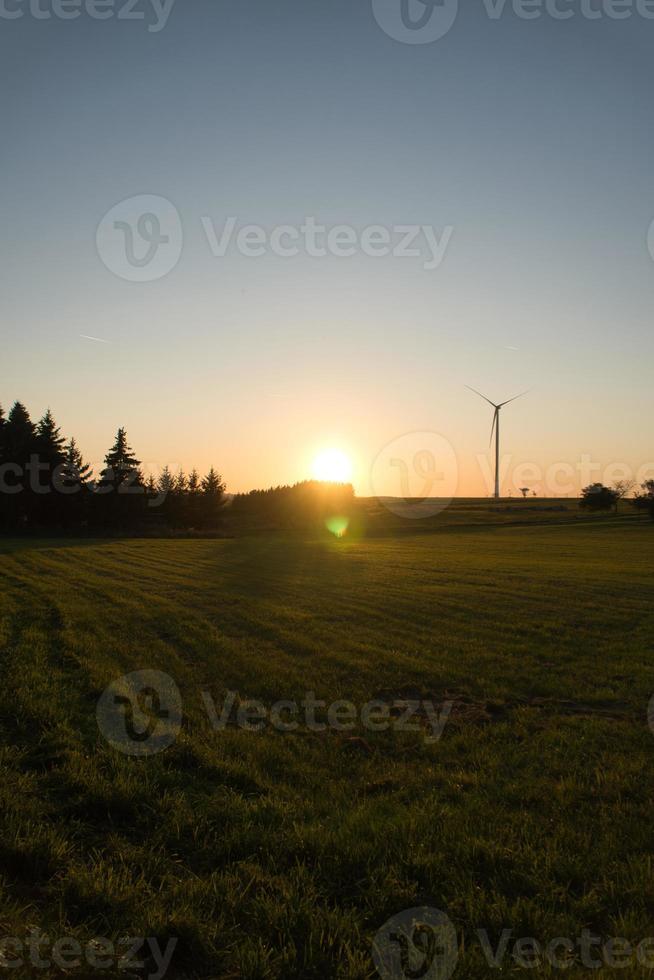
(279, 856)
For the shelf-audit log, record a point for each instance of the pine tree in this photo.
(179, 512)
(166, 482)
(164, 498)
(75, 472)
(122, 468)
(119, 499)
(19, 445)
(193, 508)
(19, 435)
(194, 487)
(212, 485)
(48, 507)
(74, 481)
(211, 499)
(49, 442)
(153, 500)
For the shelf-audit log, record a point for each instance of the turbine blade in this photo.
(481, 396)
(515, 398)
(495, 415)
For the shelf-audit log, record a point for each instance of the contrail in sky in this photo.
(98, 340)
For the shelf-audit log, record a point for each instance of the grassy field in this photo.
(280, 855)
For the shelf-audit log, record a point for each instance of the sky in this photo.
(523, 146)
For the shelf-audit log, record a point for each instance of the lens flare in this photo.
(337, 526)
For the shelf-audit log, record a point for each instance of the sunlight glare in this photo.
(332, 466)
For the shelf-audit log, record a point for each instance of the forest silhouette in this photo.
(46, 484)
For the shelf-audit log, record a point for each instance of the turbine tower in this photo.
(496, 429)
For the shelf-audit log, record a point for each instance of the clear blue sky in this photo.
(532, 138)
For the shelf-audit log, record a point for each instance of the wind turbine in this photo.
(496, 429)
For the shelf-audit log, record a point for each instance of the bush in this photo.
(598, 497)
(645, 500)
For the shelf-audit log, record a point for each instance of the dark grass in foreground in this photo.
(279, 856)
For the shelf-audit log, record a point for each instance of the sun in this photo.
(332, 466)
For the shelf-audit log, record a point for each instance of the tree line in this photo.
(46, 483)
(308, 503)
(597, 497)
